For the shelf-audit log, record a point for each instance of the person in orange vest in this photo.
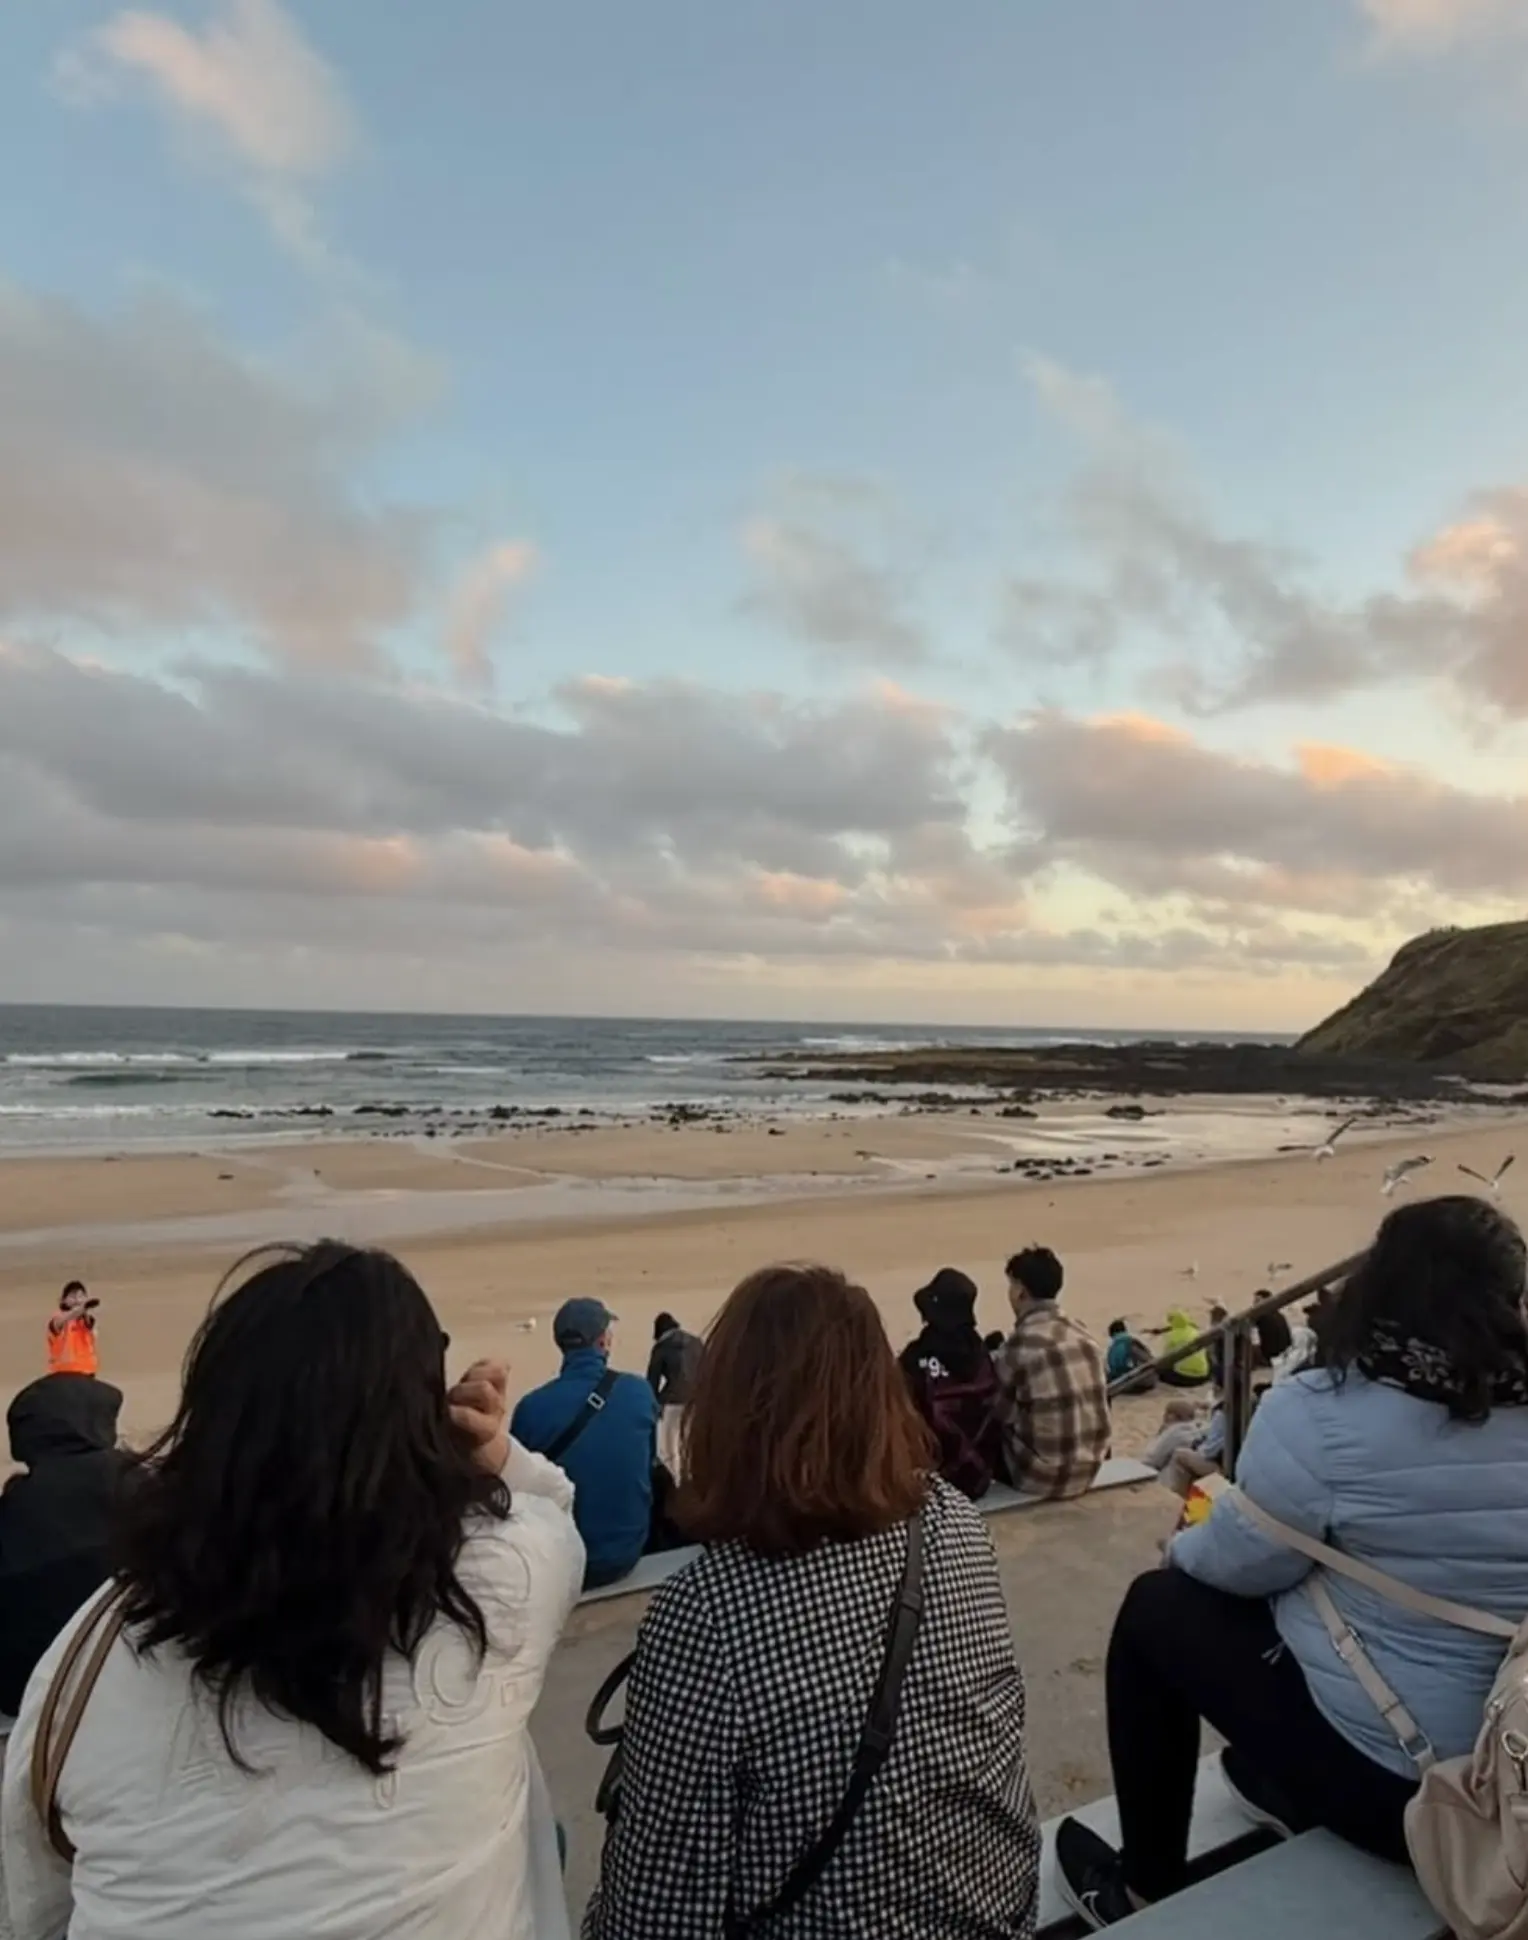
(72, 1332)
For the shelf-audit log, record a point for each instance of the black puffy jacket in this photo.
(673, 1365)
(56, 1519)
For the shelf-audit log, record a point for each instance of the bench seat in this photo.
(1311, 1888)
(1117, 1472)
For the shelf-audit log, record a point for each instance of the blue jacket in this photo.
(1439, 1504)
(611, 1463)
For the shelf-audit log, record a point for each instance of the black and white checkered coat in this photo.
(752, 1682)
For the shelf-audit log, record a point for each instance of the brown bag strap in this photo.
(68, 1694)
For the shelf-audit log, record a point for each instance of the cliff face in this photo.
(1456, 999)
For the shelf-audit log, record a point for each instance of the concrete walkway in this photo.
(1065, 1567)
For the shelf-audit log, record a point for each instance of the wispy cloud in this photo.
(248, 83)
(1222, 619)
(478, 605)
(829, 566)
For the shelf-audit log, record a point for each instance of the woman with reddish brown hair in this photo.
(840, 1582)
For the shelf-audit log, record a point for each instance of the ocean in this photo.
(86, 1077)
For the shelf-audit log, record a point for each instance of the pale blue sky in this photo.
(783, 338)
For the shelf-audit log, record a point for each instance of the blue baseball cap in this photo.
(579, 1323)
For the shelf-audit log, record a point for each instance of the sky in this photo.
(1008, 513)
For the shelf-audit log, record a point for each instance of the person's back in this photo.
(674, 1363)
(258, 1755)
(311, 1842)
(954, 1385)
(756, 1666)
(1125, 1355)
(1193, 1370)
(610, 1458)
(1056, 1426)
(56, 1519)
(790, 1647)
(1439, 1504)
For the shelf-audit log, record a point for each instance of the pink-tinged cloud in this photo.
(1434, 26)
(1331, 767)
(1339, 832)
(478, 605)
(1471, 554)
(250, 78)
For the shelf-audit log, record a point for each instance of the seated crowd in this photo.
(319, 1609)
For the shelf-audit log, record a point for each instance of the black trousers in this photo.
(1182, 1652)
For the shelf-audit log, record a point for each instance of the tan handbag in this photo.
(1467, 1827)
(64, 1706)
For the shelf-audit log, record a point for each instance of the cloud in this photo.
(643, 782)
(1146, 807)
(1436, 26)
(1219, 620)
(250, 78)
(236, 816)
(251, 85)
(1475, 575)
(154, 480)
(675, 835)
(478, 604)
(829, 567)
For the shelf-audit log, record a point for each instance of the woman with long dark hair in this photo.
(339, 1587)
(756, 1668)
(1407, 1450)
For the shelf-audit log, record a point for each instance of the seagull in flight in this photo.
(1493, 1184)
(1397, 1174)
(1328, 1148)
(1276, 1268)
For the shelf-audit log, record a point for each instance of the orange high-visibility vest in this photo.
(71, 1345)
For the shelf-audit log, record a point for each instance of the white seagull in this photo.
(525, 1326)
(1397, 1174)
(1493, 1184)
(1275, 1268)
(1328, 1148)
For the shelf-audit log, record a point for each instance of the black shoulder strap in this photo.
(874, 1744)
(593, 1402)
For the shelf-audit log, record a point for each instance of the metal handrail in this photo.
(1234, 1330)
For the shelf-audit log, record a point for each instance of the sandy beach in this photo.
(501, 1230)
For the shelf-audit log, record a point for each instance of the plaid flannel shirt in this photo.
(1055, 1406)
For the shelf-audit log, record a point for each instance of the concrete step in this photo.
(1219, 1826)
(1301, 1888)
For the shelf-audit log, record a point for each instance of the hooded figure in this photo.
(953, 1383)
(55, 1520)
(947, 1308)
(1194, 1369)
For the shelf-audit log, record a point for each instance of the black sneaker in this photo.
(1091, 1876)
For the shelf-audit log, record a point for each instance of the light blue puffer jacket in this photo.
(1440, 1504)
